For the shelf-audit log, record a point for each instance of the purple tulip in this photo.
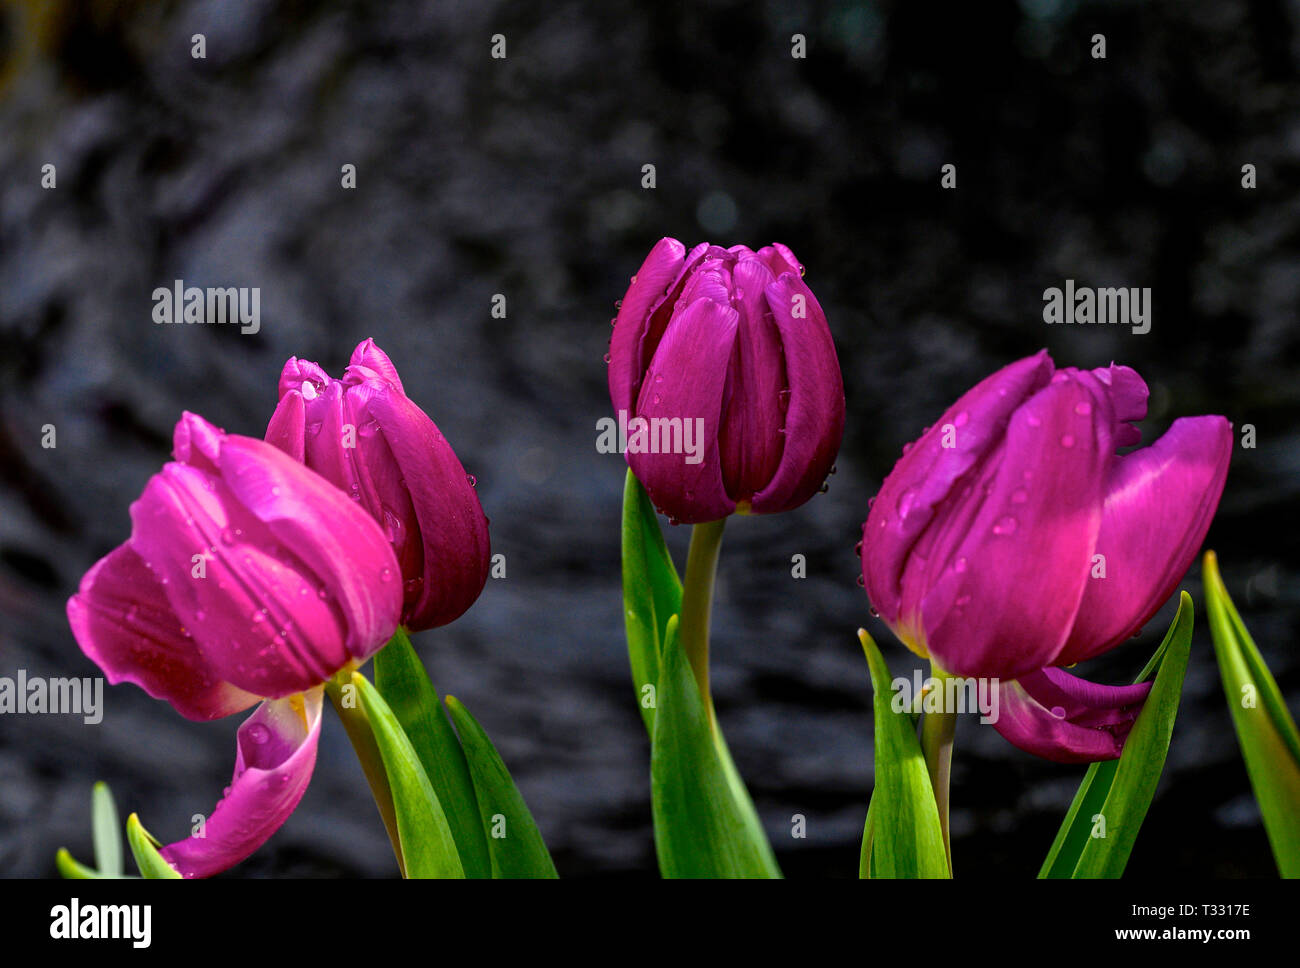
(366, 436)
(1012, 537)
(247, 577)
(732, 342)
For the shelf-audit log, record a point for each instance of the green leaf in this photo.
(705, 823)
(71, 870)
(428, 848)
(652, 592)
(1267, 734)
(402, 680)
(107, 831)
(514, 842)
(145, 848)
(1120, 791)
(1076, 828)
(902, 837)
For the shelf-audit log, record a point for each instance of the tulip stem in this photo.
(697, 603)
(347, 703)
(937, 732)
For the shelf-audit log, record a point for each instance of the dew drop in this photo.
(905, 502)
(959, 565)
(962, 601)
(657, 399)
(1067, 440)
(258, 733)
(961, 419)
(874, 612)
(1083, 409)
(1019, 496)
(607, 357)
(1033, 421)
(1058, 712)
(471, 480)
(1005, 525)
(386, 574)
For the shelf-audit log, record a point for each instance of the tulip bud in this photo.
(246, 575)
(724, 369)
(1011, 536)
(364, 434)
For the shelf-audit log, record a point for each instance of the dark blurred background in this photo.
(522, 176)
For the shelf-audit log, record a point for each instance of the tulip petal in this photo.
(370, 362)
(926, 474)
(814, 417)
(1061, 717)
(994, 584)
(276, 753)
(751, 436)
(287, 428)
(660, 270)
(1159, 504)
(1128, 394)
(456, 546)
(685, 381)
(122, 620)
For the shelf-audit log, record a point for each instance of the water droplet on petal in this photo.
(959, 565)
(1058, 712)
(259, 734)
(607, 357)
(471, 480)
(1083, 409)
(386, 574)
(1033, 421)
(1067, 440)
(1019, 496)
(961, 419)
(905, 502)
(1005, 525)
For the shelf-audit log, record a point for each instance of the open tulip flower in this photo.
(362, 433)
(734, 342)
(248, 578)
(1012, 539)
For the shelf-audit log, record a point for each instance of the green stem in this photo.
(937, 732)
(697, 603)
(347, 703)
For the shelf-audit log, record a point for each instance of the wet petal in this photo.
(122, 620)
(369, 362)
(814, 413)
(685, 382)
(994, 588)
(276, 753)
(658, 272)
(1160, 501)
(1060, 717)
(926, 474)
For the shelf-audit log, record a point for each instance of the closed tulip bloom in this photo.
(734, 342)
(366, 436)
(1012, 538)
(247, 578)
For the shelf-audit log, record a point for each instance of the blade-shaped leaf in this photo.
(652, 592)
(1076, 828)
(107, 831)
(70, 869)
(428, 848)
(145, 848)
(514, 842)
(1270, 743)
(1137, 771)
(402, 680)
(705, 823)
(905, 839)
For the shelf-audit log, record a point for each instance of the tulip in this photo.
(365, 435)
(247, 578)
(1012, 539)
(731, 341)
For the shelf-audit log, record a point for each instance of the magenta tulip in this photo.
(1012, 538)
(733, 346)
(366, 436)
(247, 578)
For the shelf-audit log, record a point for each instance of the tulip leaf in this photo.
(652, 593)
(902, 837)
(107, 831)
(705, 823)
(428, 847)
(1270, 743)
(514, 843)
(70, 869)
(402, 680)
(145, 848)
(1103, 822)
